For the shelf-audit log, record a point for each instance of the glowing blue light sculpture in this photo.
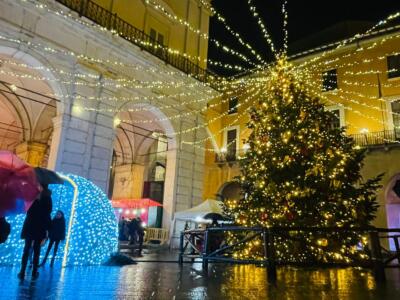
(92, 228)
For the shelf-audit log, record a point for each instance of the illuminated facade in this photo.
(361, 83)
(101, 89)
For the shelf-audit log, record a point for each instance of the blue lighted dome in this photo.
(92, 229)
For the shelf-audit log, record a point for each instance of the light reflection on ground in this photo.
(149, 280)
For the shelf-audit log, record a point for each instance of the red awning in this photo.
(134, 203)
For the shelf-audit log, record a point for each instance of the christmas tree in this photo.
(301, 171)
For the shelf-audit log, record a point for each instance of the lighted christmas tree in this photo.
(301, 171)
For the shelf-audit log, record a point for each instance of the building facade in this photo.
(360, 82)
(101, 89)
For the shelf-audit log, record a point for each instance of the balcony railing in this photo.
(379, 138)
(111, 21)
(229, 157)
(372, 139)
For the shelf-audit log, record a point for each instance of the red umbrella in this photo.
(134, 203)
(18, 184)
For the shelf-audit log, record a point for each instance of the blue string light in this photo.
(93, 231)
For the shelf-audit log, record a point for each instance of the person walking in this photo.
(56, 234)
(136, 232)
(35, 229)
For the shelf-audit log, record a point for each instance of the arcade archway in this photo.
(27, 107)
(143, 144)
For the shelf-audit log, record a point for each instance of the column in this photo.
(32, 152)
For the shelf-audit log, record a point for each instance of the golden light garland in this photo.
(260, 23)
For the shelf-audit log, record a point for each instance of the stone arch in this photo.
(136, 146)
(32, 104)
(229, 190)
(392, 203)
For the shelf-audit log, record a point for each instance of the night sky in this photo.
(305, 18)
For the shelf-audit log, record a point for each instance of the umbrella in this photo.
(46, 176)
(134, 203)
(214, 216)
(396, 188)
(18, 184)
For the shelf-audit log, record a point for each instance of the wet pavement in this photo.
(167, 280)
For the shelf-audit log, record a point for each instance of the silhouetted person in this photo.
(35, 229)
(5, 229)
(56, 234)
(136, 231)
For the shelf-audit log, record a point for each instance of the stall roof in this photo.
(199, 211)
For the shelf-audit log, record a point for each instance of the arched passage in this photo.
(142, 161)
(392, 204)
(27, 106)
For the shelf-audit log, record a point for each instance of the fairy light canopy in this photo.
(250, 61)
(91, 225)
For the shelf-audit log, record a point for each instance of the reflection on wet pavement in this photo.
(150, 280)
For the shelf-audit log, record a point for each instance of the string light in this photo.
(235, 34)
(260, 23)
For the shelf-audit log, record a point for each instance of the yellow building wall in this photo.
(357, 93)
(176, 36)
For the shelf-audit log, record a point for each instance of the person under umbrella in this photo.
(56, 234)
(35, 229)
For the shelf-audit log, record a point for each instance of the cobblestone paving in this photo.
(151, 280)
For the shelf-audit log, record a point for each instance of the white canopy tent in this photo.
(192, 217)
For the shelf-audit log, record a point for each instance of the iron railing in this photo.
(211, 245)
(112, 21)
(229, 156)
(379, 138)
(372, 139)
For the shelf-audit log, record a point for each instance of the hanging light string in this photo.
(234, 33)
(125, 81)
(347, 56)
(229, 50)
(169, 106)
(267, 36)
(143, 85)
(134, 66)
(158, 7)
(227, 66)
(349, 40)
(285, 25)
(253, 97)
(110, 82)
(185, 114)
(203, 35)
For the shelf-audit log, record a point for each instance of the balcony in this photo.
(111, 21)
(387, 138)
(377, 139)
(229, 157)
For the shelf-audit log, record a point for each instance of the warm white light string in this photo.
(267, 36)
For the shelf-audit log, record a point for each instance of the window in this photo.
(335, 122)
(233, 103)
(329, 80)
(396, 115)
(156, 37)
(231, 141)
(153, 34)
(393, 64)
(160, 39)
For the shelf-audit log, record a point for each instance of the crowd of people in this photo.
(132, 231)
(38, 227)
